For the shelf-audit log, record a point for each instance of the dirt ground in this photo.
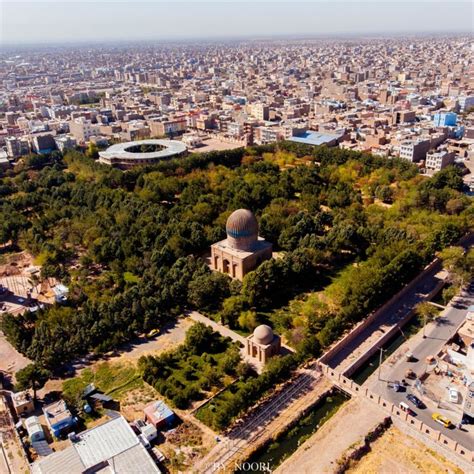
(396, 453)
(184, 445)
(11, 361)
(319, 454)
(22, 278)
(169, 338)
(133, 403)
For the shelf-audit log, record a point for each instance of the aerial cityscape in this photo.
(236, 237)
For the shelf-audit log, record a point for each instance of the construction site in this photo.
(22, 289)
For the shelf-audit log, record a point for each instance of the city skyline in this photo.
(107, 21)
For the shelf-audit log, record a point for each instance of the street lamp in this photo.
(380, 362)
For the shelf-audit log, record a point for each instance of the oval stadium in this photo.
(140, 153)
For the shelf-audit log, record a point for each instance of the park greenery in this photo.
(350, 230)
(33, 377)
(204, 363)
(114, 379)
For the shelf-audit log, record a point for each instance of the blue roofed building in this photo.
(445, 119)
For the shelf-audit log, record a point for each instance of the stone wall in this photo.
(358, 452)
(374, 315)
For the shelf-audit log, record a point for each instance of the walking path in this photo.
(222, 330)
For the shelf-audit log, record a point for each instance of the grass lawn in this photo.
(130, 277)
(114, 379)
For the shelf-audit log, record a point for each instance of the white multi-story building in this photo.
(64, 142)
(414, 150)
(83, 129)
(437, 160)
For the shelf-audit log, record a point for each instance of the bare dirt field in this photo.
(396, 453)
(319, 454)
(169, 337)
(11, 361)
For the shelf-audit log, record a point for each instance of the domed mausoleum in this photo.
(262, 344)
(243, 250)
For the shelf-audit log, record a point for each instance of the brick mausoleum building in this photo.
(243, 250)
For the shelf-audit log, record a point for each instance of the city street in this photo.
(395, 367)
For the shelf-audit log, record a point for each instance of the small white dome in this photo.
(263, 334)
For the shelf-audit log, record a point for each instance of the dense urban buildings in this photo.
(208, 249)
(391, 97)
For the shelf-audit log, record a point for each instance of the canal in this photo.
(371, 365)
(290, 440)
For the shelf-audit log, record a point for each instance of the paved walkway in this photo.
(320, 453)
(222, 330)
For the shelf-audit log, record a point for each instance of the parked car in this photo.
(442, 420)
(416, 401)
(453, 395)
(404, 407)
(153, 333)
(397, 386)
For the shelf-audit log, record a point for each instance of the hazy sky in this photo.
(65, 20)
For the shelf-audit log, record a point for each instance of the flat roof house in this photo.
(110, 447)
(158, 413)
(58, 417)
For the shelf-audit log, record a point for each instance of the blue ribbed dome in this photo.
(242, 229)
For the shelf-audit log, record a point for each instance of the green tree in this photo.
(207, 291)
(459, 263)
(427, 312)
(199, 338)
(32, 376)
(384, 193)
(248, 320)
(92, 151)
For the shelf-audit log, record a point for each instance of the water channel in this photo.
(371, 365)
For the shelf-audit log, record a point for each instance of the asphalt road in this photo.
(437, 333)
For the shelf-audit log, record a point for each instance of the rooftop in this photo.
(315, 138)
(259, 245)
(112, 446)
(56, 412)
(121, 150)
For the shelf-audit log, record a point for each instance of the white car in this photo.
(453, 395)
